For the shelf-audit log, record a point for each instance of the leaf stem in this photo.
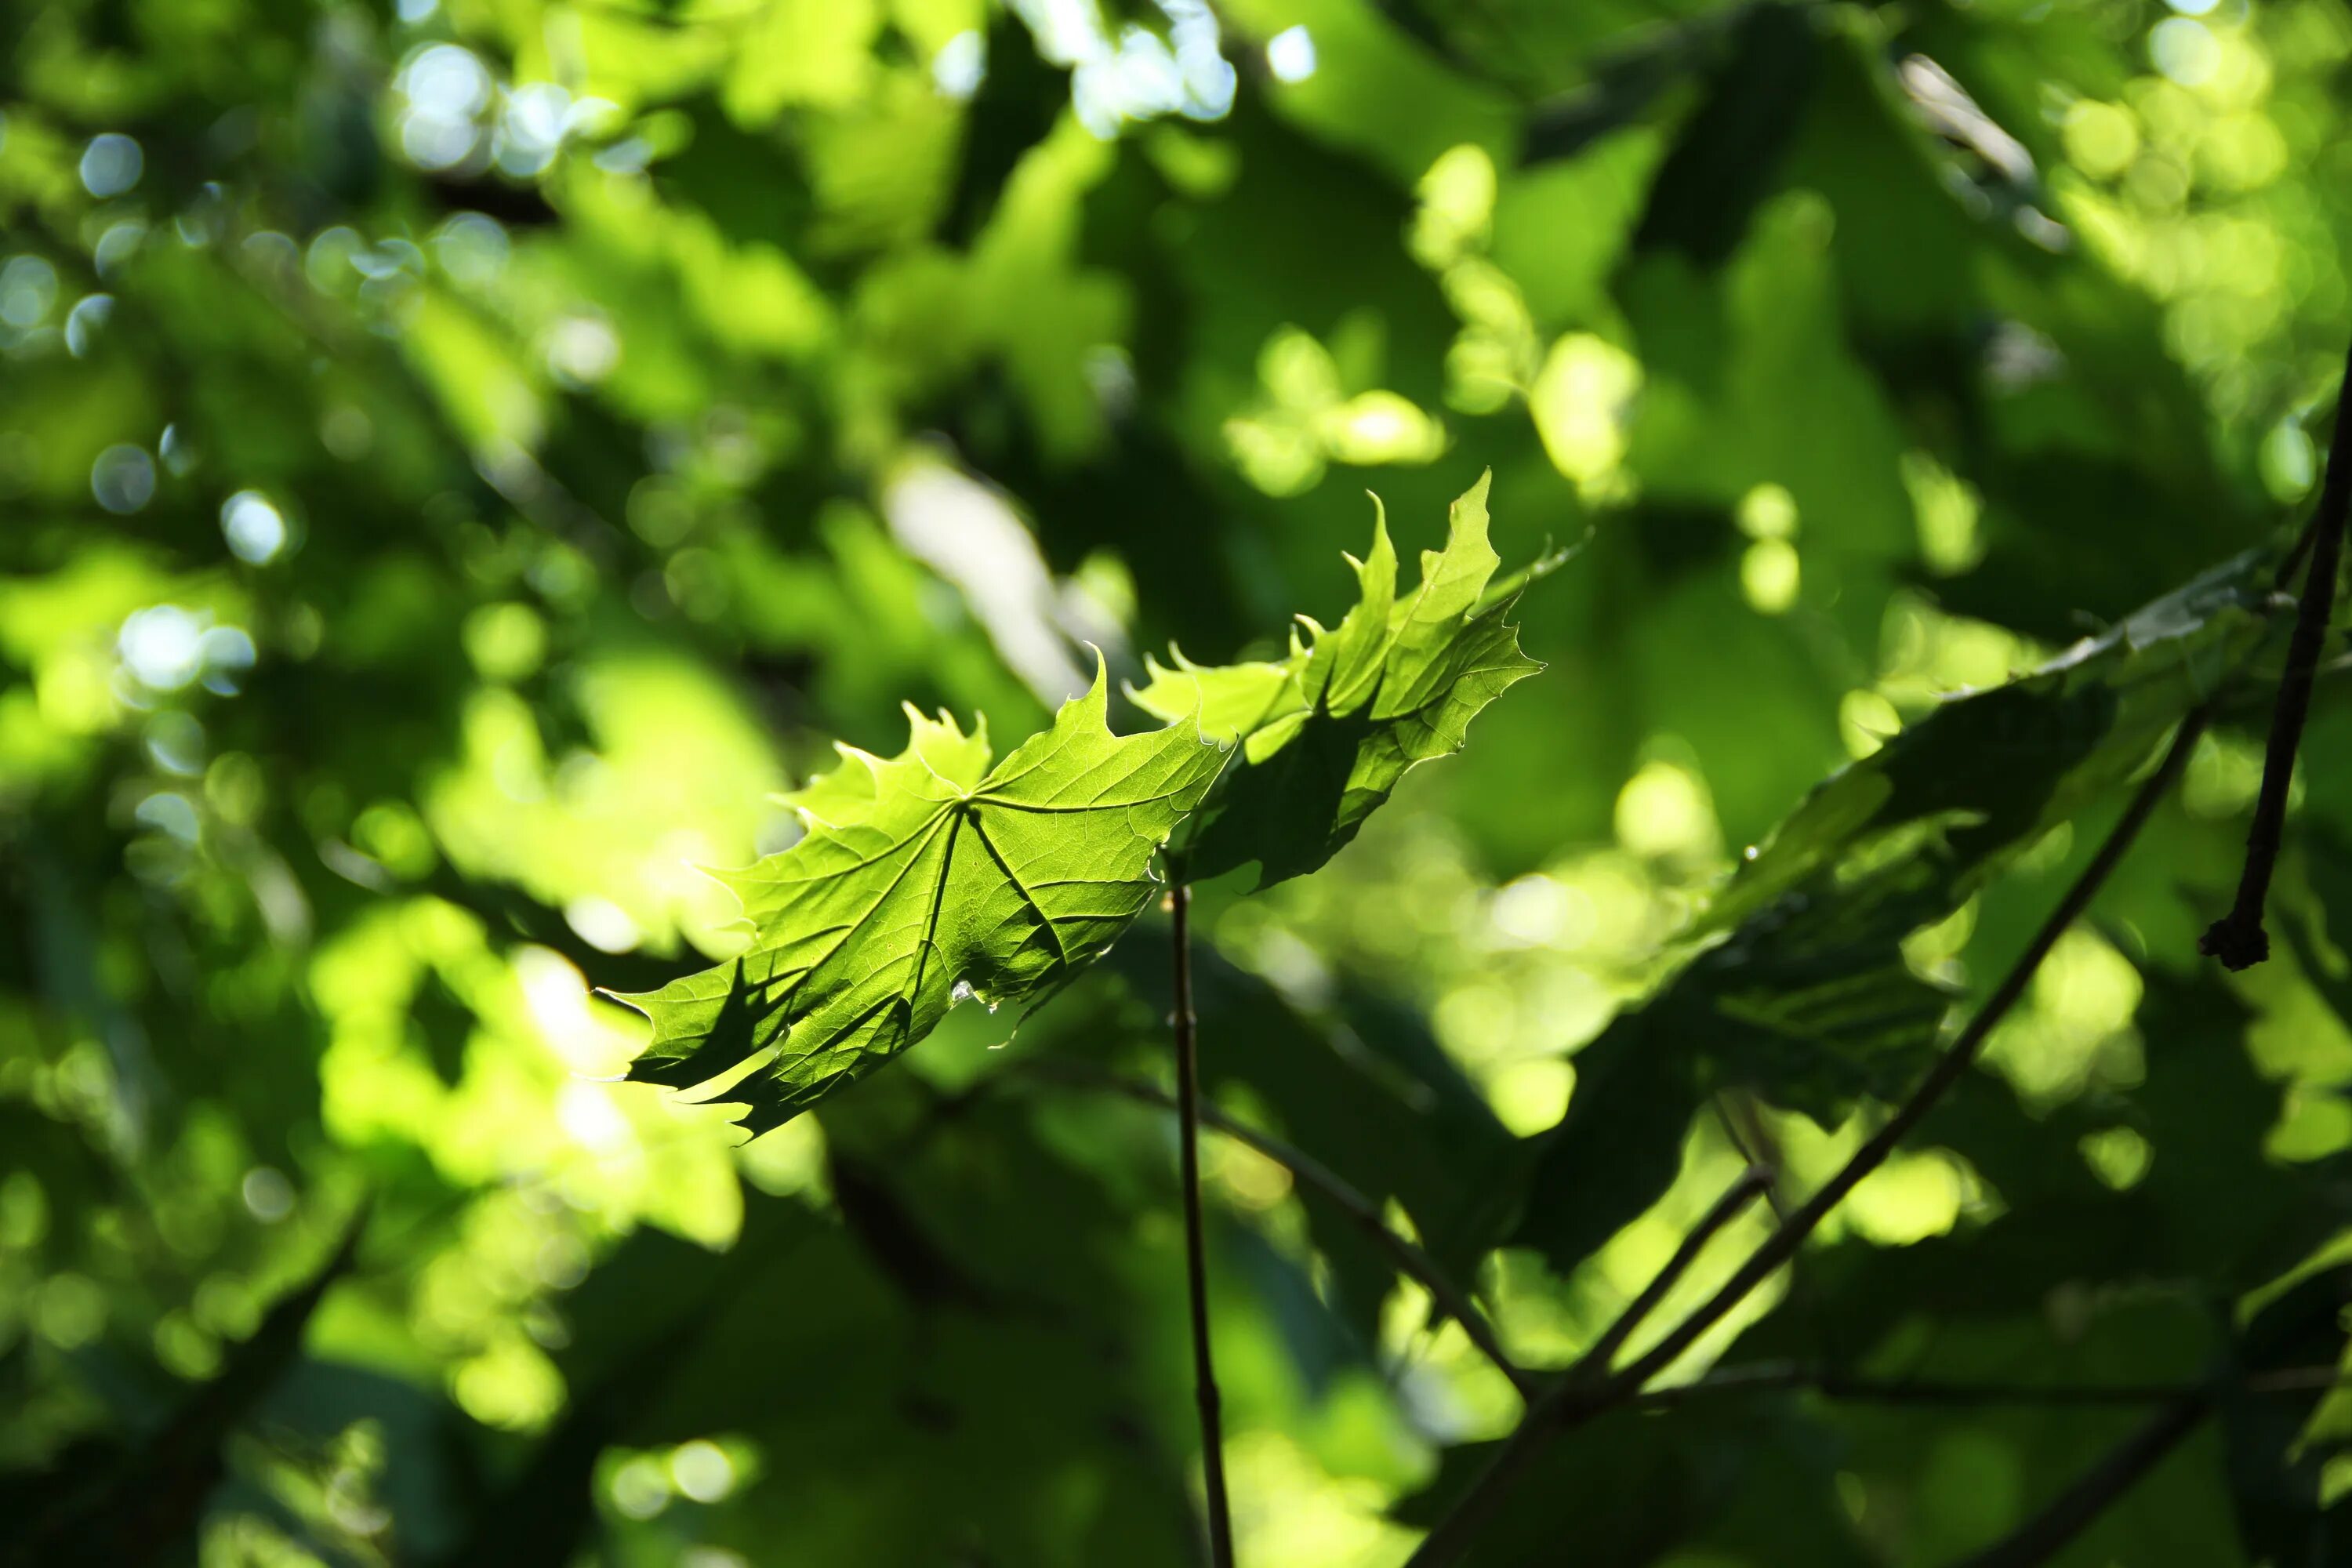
(1576, 1400)
(2237, 938)
(1196, 1267)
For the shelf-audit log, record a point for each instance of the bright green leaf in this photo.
(926, 879)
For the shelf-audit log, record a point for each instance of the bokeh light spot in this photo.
(255, 530)
(1767, 511)
(1769, 575)
(122, 478)
(28, 287)
(960, 66)
(111, 164)
(1290, 53)
(162, 647)
(2184, 50)
(268, 1194)
(1664, 810)
(83, 321)
(702, 1471)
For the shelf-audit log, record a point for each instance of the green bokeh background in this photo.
(458, 459)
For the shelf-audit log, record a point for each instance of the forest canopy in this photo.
(582, 578)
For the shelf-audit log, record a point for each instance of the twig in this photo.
(2048, 1532)
(1196, 1266)
(1957, 1058)
(1574, 1402)
(2237, 938)
(1584, 1389)
(1751, 1185)
(1410, 1260)
(1753, 1141)
(1764, 1377)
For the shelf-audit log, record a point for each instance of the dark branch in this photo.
(1751, 1185)
(1577, 1400)
(1766, 1377)
(1753, 1140)
(2237, 938)
(2048, 1533)
(1196, 1266)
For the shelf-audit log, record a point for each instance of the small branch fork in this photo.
(1415, 1264)
(1590, 1388)
(1410, 1260)
(1746, 1188)
(1196, 1267)
(2237, 938)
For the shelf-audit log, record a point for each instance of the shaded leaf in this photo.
(1987, 773)
(1327, 733)
(1801, 991)
(2281, 1444)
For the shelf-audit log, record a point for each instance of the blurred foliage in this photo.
(458, 460)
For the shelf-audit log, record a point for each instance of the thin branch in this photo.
(1753, 1140)
(1196, 1265)
(2298, 1380)
(1575, 1400)
(1764, 1377)
(1408, 1259)
(2048, 1533)
(2237, 938)
(1583, 1389)
(1950, 1069)
(1751, 1185)
(1753, 1143)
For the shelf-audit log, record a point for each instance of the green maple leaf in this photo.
(923, 880)
(1327, 733)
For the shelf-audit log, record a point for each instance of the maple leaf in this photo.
(1326, 734)
(926, 879)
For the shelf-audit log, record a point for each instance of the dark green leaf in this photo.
(1326, 734)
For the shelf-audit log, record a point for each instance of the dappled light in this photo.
(727, 838)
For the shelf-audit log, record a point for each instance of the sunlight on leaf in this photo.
(926, 879)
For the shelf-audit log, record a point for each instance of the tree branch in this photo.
(1764, 1377)
(2237, 938)
(1196, 1267)
(1575, 1400)
(1585, 1388)
(1753, 1140)
(1751, 1185)
(1410, 1260)
(2048, 1533)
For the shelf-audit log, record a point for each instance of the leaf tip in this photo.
(1095, 701)
(634, 1000)
(1467, 515)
